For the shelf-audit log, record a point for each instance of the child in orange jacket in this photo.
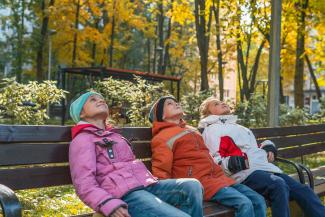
(178, 151)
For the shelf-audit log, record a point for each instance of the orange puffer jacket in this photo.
(178, 151)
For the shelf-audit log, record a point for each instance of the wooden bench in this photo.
(37, 156)
(299, 142)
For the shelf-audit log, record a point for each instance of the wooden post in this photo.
(274, 65)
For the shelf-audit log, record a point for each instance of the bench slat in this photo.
(216, 210)
(302, 150)
(284, 131)
(22, 154)
(137, 133)
(142, 149)
(41, 153)
(298, 140)
(36, 177)
(46, 133)
(22, 133)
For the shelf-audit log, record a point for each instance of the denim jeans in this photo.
(278, 188)
(161, 199)
(245, 201)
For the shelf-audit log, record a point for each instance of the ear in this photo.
(82, 114)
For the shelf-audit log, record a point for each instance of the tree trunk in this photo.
(312, 74)
(20, 43)
(241, 94)
(254, 70)
(243, 69)
(155, 53)
(202, 37)
(149, 55)
(219, 49)
(43, 36)
(94, 45)
(282, 100)
(111, 46)
(166, 55)
(75, 37)
(161, 36)
(300, 50)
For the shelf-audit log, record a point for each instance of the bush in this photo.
(27, 103)
(191, 104)
(132, 99)
(253, 113)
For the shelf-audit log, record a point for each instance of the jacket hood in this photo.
(220, 119)
(158, 126)
(82, 125)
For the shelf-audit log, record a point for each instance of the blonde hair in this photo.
(204, 107)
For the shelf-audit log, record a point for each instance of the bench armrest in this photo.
(309, 175)
(296, 166)
(9, 202)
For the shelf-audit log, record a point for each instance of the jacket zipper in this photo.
(209, 157)
(189, 172)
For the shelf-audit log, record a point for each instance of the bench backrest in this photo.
(37, 156)
(294, 141)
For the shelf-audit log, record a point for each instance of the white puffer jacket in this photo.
(216, 127)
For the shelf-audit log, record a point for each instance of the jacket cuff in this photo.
(236, 164)
(110, 206)
(269, 146)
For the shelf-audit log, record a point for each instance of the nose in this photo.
(101, 100)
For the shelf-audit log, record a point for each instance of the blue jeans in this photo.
(245, 201)
(161, 199)
(278, 188)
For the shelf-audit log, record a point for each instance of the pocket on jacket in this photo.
(184, 171)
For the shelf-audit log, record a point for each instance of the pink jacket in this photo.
(103, 168)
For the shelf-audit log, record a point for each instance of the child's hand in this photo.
(247, 164)
(270, 156)
(120, 212)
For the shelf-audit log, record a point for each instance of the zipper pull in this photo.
(189, 171)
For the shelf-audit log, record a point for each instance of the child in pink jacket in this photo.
(109, 179)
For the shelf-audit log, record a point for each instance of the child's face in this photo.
(95, 106)
(172, 109)
(217, 107)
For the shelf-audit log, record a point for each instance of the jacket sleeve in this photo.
(162, 159)
(82, 160)
(268, 145)
(219, 148)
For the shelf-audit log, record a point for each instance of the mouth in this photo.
(100, 105)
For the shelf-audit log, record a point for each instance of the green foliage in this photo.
(133, 98)
(14, 96)
(319, 117)
(191, 104)
(292, 116)
(253, 113)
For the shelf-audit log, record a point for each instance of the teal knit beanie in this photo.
(77, 105)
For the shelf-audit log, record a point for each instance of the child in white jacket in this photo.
(234, 147)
